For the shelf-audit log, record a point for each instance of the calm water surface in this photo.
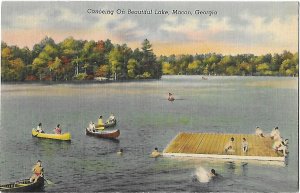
(147, 120)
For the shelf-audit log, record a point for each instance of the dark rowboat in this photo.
(108, 134)
(23, 186)
(108, 124)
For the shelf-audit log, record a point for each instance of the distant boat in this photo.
(203, 78)
(64, 136)
(107, 134)
(23, 186)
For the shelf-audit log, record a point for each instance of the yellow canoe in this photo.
(64, 136)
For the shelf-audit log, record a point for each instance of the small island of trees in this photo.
(89, 60)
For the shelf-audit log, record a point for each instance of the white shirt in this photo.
(39, 128)
(258, 131)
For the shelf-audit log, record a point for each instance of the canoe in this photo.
(23, 186)
(107, 125)
(64, 136)
(108, 134)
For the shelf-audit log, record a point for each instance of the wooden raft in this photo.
(211, 145)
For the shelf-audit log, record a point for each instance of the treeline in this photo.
(285, 64)
(78, 60)
(87, 60)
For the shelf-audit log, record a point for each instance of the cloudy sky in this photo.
(237, 27)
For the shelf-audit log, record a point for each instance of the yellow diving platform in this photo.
(212, 145)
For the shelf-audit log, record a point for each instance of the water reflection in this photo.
(237, 168)
(50, 146)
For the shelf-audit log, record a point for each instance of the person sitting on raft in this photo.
(244, 145)
(37, 171)
(39, 128)
(259, 132)
(280, 145)
(275, 133)
(229, 146)
(57, 130)
(111, 118)
(155, 153)
(171, 97)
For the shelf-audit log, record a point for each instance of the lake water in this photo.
(147, 120)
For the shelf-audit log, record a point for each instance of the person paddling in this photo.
(100, 123)
(111, 118)
(171, 97)
(39, 128)
(37, 170)
(57, 130)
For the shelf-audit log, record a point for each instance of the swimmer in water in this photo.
(155, 153)
(205, 176)
(212, 173)
(120, 152)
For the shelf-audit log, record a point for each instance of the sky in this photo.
(233, 28)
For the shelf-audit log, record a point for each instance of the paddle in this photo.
(49, 182)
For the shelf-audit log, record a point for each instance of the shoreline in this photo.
(76, 82)
(50, 82)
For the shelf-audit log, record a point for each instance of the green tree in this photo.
(167, 68)
(55, 68)
(115, 59)
(194, 67)
(288, 68)
(264, 69)
(148, 62)
(131, 67)
(102, 71)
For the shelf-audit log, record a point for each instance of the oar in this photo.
(48, 181)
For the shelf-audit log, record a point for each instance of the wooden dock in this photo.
(211, 145)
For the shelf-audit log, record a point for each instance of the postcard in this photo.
(146, 96)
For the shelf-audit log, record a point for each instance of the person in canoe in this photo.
(155, 153)
(171, 97)
(37, 170)
(39, 128)
(100, 123)
(57, 130)
(92, 127)
(111, 118)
